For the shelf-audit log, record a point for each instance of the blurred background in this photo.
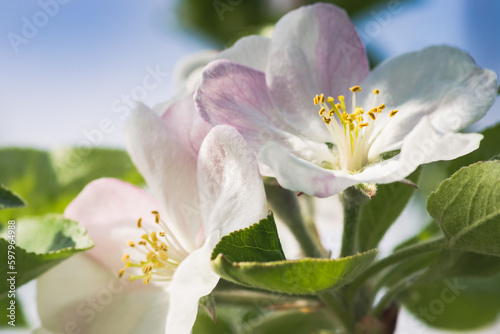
(71, 70)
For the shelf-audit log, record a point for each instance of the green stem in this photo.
(286, 207)
(253, 298)
(402, 254)
(391, 295)
(352, 200)
(333, 302)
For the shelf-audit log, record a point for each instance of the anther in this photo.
(326, 120)
(161, 234)
(362, 125)
(154, 238)
(372, 115)
(322, 111)
(376, 91)
(355, 89)
(381, 107)
(330, 99)
(322, 98)
(142, 243)
(121, 272)
(147, 268)
(331, 113)
(316, 100)
(394, 112)
(125, 257)
(139, 223)
(146, 279)
(131, 243)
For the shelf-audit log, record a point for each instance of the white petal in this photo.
(440, 82)
(109, 210)
(169, 167)
(251, 51)
(314, 49)
(187, 75)
(232, 194)
(193, 279)
(81, 294)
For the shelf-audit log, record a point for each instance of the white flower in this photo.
(202, 189)
(413, 105)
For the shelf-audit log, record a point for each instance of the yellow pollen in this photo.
(381, 107)
(142, 242)
(161, 234)
(362, 125)
(372, 115)
(355, 89)
(147, 268)
(331, 113)
(394, 112)
(316, 100)
(154, 212)
(163, 247)
(154, 238)
(351, 126)
(322, 98)
(338, 106)
(125, 257)
(376, 91)
(121, 272)
(146, 279)
(345, 116)
(322, 111)
(131, 243)
(326, 120)
(139, 223)
(360, 111)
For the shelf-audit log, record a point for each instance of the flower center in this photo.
(352, 133)
(161, 253)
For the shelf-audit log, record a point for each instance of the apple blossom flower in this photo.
(372, 127)
(202, 188)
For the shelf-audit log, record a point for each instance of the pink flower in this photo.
(412, 106)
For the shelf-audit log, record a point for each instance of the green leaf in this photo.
(259, 242)
(462, 303)
(382, 211)
(303, 276)
(8, 199)
(41, 243)
(50, 180)
(467, 208)
(294, 322)
(253, 257)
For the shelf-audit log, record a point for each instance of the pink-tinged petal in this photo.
(251, 51)
(237, 95)
(109, 210)
(314, 50)
(187, 74)
(185, 124)
(193, 279)
(81, 296)
(169, 167)
(232, 194)
(438, 82)
(297, 174)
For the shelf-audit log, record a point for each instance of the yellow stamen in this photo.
(394, 112)
(372, 115)
(331, 113)
(139, 223)
(341, 99)
(362, 125)
(330, 99)
(326, 120)
(125, 257)
(154, 238)
(381, 107)
(322, 111)
(355, 89)
(131, 243)
(121, 272)
(142, 242)
(376, 91)
(147, 268)
(322, 98)
(161, 234)
(316, 100)
(146, 279)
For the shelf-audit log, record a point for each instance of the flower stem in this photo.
(352, 200)
(402, 254)
(285, 205)
(390, 296)
(333, 302)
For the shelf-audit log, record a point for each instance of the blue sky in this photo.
(64, 80)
